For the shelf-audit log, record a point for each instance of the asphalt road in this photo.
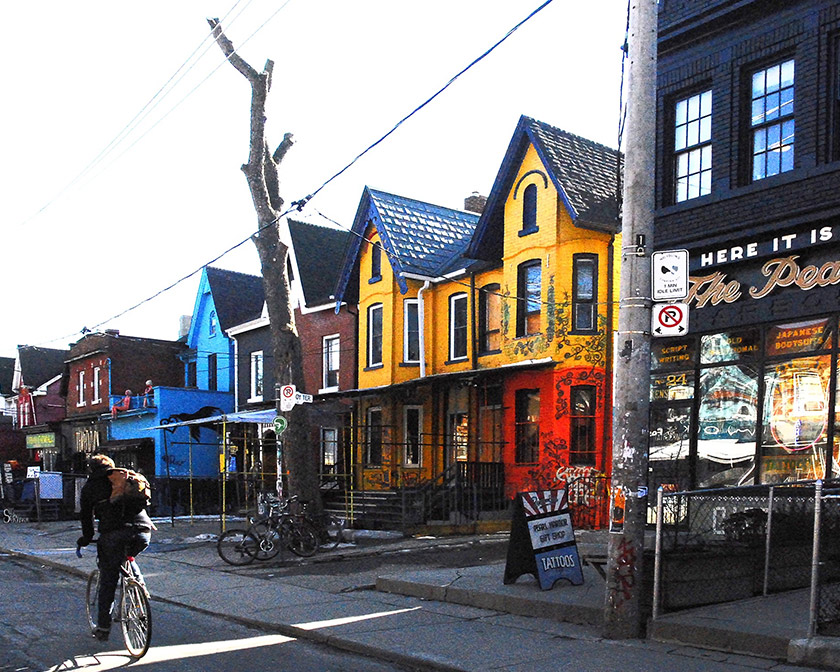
(43, 627)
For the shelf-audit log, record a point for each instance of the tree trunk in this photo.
(299, 455)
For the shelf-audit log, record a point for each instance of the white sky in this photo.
(162, 205)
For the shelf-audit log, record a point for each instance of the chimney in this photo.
(475, 202)
(112, 332)
(184, 323)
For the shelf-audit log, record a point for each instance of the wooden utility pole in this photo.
(300, 456)
(623, 616)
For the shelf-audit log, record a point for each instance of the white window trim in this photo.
(452, 300)
(81, 388)
(406, 304)
(324, 362)
(97, 398)
(256, 355)
(405, 461)
(371, 309)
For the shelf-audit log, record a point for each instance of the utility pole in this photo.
(622, 611)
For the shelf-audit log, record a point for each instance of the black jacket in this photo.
(111, 515)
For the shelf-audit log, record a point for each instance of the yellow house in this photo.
(485, 340)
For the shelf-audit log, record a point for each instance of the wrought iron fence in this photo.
(727, 544)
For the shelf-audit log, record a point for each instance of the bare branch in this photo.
(230, 53)
(283, 147)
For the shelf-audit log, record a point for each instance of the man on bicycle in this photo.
(125, 529)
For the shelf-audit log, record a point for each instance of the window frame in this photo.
(530, 198)
(375, 262)
(327, 351)
(192, 373)
(780, 121)
(526, 454)
(81, 386)
(369, 436)
(407, 438)
(213, 372)
(689, 149)
(323, 466)
(580, 424)
(577, 302)
(257, 366)
(488, 317)
(97, 397)
(374, 339)
(458, 334)
(524, 316)
(408, 333)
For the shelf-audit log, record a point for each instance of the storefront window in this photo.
(726, 425)
(672, 353)
(795, 419)
(730, 346)
(669, 448)
(798, 337)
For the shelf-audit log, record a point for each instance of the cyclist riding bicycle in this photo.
(125, 529)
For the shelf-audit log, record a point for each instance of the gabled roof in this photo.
(238, 297)
(39, 365)
(418, 238)
(585, 174)
(319, 252)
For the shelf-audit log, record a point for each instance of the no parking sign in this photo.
(669, 319)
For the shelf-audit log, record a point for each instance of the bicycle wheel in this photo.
(332, 532)
(92, 599)
(237, 547)
(135, 618)
(269, 541)
(301, 538)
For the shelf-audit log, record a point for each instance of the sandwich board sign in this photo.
(542, 540)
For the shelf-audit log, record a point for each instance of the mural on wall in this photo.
(590, 349)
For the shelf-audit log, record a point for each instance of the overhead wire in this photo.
(301, 203)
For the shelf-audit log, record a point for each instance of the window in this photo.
(771, 121)
(582, 444)
(374, 336)
(213, 323)
(490, 424)
(529, 210)
(459, 426)
(331, 362)
(97, 397)
(411, 330)
(529, 298)
(375, 262)
(584, 292)
(256, 376)
(412, 435)
(490, 319)
(81, 401)
(192, 375)
(527, 426)
(329, 450)
(212, 371)
(373, 449)
(693, 146)
(458, 326)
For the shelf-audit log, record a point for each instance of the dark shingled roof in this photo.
(238, 297)
(419, 238)
(585, 174)
(7, 372)
(38, 365)
(319, 252)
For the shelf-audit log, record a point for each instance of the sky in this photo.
(123, 131)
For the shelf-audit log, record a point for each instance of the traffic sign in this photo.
(301, 398)
(280, 424)
(287, 397)
(669, 273)
(670, 319)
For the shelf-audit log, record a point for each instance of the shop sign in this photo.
(40, 441)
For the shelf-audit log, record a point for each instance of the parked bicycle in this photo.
(131, 607)
(264, 538)
(328, 526)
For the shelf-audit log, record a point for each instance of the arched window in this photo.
(529, 210)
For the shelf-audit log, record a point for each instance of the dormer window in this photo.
(529, 210)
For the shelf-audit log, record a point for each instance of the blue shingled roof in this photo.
(418, 238)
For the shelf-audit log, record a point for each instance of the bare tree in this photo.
(261, 173)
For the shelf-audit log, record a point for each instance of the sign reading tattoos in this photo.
(542, 540)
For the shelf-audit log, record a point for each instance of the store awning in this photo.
(264, 417)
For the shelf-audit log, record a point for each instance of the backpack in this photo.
(130, 487)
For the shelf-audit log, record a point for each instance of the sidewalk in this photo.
(461, 619)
